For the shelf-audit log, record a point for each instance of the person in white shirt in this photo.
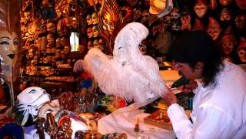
(219, 104)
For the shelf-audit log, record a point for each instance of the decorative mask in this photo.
(241, 51)
(9, 40)
(225, 2)
(175, 13)
(228, 41)
(95, 31)
(94, 18)
(176, 25)
(100, 43)
(66, 49)
(88, 19)
(200, 8)
(95, 43)
(63, 41)
(89, 44)
(214, 28)
(241, 21)
(9, 43)
(50, 39)
(89, 32)
(51, 28)
(185, 19)
(225, 15)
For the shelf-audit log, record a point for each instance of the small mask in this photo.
(95, 31)
(214, 28)
(225, 15)
(241, 21)
(89, 32)
(88, 19)
(94, 18)
(51, 28)
(175, 13)
(89, 45)
(241, 51)
(200, 8)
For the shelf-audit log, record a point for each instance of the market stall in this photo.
(53, 92)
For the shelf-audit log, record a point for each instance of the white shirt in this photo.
(219, 112)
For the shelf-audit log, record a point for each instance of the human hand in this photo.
(170, 97)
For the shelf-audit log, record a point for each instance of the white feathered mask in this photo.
(128, 73)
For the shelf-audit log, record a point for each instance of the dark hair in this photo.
(197, 46)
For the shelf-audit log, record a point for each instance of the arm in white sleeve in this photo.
(211, 123)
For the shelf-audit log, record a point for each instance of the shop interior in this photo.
(55, 36)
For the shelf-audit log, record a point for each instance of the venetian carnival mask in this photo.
(241, 51)
(240, 21)
(94, 18)
(51, 28)
(89, 44)
(89, 32)
(228, 42)
(200, 9)
(9, 43)
(225, 15)
(88, 19)
(214, 28)
(95, 31)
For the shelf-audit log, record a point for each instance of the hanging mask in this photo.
(200, 8)
(175, 13)
(225, 2)
(241, 21)
(89, 45)
(88, 19)
(51, 28)
(95, 31)
(214, 28)
(176, 25)
(241, 51)
(89, 32)
(95, 43)
(225, 15)
(94, 18)
(50, 39)
(228, 41)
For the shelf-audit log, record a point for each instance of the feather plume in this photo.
(9, 15)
